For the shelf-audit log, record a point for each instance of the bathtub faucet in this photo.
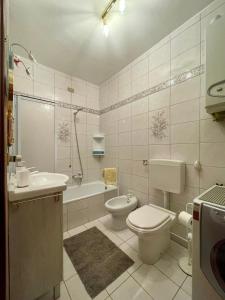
(78, 177)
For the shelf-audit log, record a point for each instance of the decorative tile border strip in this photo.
(57, 103)
(197, 71)
(72, 106)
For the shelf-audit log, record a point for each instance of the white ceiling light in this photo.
(105, 29)
(122, 6)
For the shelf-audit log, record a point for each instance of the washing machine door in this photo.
(212, 246)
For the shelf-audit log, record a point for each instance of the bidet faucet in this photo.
(129, 195)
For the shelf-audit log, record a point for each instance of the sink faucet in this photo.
(35, 171)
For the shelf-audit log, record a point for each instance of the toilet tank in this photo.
(167, 175)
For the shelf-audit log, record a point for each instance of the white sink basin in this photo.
(44, 178)
(41, 183)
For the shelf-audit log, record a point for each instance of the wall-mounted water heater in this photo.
(215, 68)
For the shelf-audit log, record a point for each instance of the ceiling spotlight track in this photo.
(108, 8)
(122, 7)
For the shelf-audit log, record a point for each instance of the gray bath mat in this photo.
(97, 260)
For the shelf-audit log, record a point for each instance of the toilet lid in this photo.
(148, 217)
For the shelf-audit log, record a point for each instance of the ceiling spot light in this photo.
(122, 6)
(105, 29)
(106, 12)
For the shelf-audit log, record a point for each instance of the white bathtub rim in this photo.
(109, 189)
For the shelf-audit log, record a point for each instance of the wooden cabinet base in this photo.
(36, 249)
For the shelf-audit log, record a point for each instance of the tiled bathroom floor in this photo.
(162, 281)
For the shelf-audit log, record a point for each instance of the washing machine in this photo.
(209, 245)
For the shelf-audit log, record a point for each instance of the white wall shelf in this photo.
(98, 149)
(98, 136)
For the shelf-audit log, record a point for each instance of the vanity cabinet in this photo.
(35, 243)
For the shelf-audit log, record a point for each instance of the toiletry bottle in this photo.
(22, 175)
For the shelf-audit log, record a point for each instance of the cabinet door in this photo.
(35, 236)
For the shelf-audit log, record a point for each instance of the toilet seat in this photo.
(152, 225)
(149, 219)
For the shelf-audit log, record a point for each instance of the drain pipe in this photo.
(166, 199)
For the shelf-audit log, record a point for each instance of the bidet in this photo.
(120, 207)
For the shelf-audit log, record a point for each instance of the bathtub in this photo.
(85, 203)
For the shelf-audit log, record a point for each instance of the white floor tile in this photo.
(77, 230)
(66, 235)
(187, 285)
(181, 295)
(97, 224)
(155, 283)
(125, 234)
(133, 255)
(68, 268)
(130, 290)
(102, 296)
(124, 246)
(76, 289)
(116, 283)
(114, 238)
(106, 221)
(169, 266)
(176, 250)
(91, 224)
(103, 228)
(64, 295)
(63, 292)
(106, 226)
(133, 242)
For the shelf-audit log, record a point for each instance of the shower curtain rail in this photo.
(45, 100)
(57, 103)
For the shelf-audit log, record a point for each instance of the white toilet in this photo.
(152, 223)
(120, 207)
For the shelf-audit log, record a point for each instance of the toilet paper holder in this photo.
(187, 208)
(185, 262)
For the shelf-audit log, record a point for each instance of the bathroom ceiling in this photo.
(67, 35)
